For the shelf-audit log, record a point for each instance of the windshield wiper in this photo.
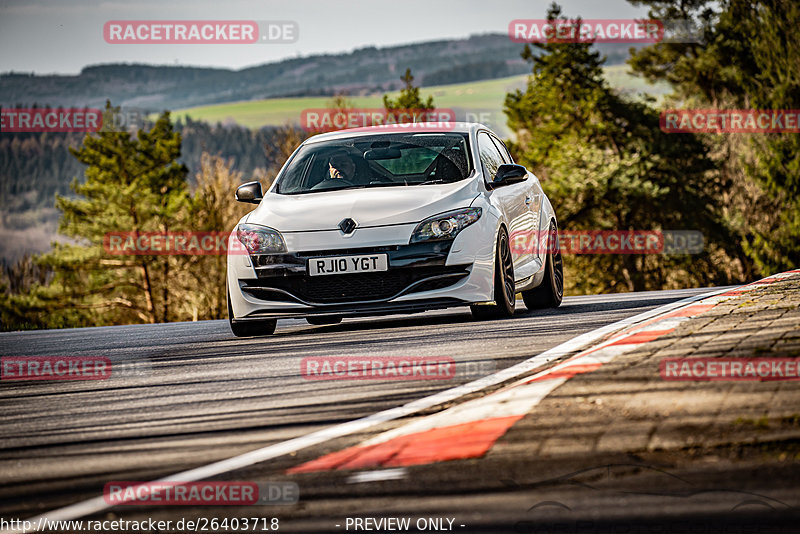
(385, 184)
(436, 181)
(326, 189)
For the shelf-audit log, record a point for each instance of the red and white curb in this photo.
(469, 430)
(495, 426)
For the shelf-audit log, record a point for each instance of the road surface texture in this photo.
(613, 450)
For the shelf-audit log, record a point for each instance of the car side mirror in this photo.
(249, 192)
(507, 174)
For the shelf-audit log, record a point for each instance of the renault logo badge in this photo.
(347, 226)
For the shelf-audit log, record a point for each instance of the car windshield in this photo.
(377, 161)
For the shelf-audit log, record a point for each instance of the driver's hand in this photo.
(333, 171)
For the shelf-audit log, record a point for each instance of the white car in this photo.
(421, 217)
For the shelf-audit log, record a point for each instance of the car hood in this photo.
(378, 206)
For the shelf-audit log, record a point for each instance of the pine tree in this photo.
(749, 58)
(408, 99)
(133, 184)
(605, 165)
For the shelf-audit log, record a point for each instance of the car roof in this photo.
(448, 127)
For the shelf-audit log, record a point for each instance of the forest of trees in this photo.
(140, 183)
(605, 163)
(34, 167)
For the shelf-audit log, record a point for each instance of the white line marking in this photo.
(664, 324)
(98, 504)
(375, 476)
(520, 397)
(509, 402)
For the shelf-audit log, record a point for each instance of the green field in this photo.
(483, 100)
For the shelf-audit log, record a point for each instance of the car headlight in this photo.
(260, 239)
(445, 225)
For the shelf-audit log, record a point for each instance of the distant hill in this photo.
(364, 71)
(477, 101)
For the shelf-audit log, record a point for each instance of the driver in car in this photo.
(341, 166)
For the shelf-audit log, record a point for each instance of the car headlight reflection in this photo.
(260, 239)
(445, 225)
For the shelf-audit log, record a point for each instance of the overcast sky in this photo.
(63, 36)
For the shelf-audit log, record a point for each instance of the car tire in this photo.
(504, 291)
(320, 321)
(550, 292)
(248, 328)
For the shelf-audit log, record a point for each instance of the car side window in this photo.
(490, 155)
(503, 150)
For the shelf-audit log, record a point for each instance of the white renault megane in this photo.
(390, 219)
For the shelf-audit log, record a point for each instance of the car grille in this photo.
(354, 287)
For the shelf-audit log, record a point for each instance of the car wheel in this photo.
(319, 321)
(551, 291)
(248, 328)
(504, 290)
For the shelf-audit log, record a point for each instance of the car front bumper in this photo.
(421, 276)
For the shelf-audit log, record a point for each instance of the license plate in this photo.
(348, 264)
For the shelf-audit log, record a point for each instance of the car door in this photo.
(509, 199)
(525, 239)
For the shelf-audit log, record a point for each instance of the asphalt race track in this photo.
(191, 394)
